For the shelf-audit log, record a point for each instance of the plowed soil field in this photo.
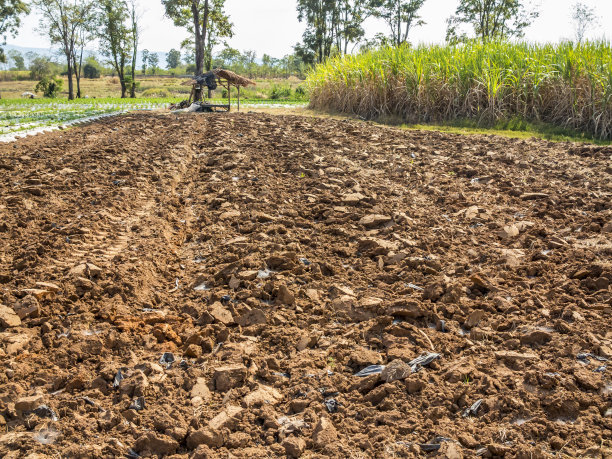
(250, 285)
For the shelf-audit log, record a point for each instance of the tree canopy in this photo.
(115, 32)
(584, 17)
(10, 20)
(173, 59)
(491, 19)
(63, 22)
(400, 15)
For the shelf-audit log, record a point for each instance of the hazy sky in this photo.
(271, 26)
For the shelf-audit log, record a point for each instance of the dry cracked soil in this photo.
(250, 285)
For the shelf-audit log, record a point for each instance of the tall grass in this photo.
(566, 84)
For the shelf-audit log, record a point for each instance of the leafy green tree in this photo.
(62, 21)
(192, 15)
(173, 59)
(584, 17)
(349, 24)
(188, 52)
(145, 60)
(400, 15)
(377, 41)
(49, 86)
(153, 62)
(331, 25)
(40, 67)
(491, 19)
(18, 60)
(114, 33)
(219, 27)
(319, 38)
(90, 71)
(229, 57)
(10, 20)
(249, 62)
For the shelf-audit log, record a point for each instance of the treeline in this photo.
(244, 63)
(333, 27)
(32, 66)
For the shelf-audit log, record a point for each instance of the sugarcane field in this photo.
(393, 242)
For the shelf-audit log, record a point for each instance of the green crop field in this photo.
(32, 116)
(566, 85)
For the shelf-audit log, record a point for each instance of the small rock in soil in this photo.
(8, 317)
(294, 446)
(374, 220)
(229, 377)
(156, 443)
(324, 433)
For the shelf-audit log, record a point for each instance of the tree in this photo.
(349, 28)
(18, 60)
(173, 59)
(400, 15)
(491, 19)
(249, 63)
(192, 15)
(40, 67)
(90, 71)
(62, 21)
(229, 57)
(115, 37)
(84, 35)
(584, 17)
(188, 52)
(153, 62)
(135, 36)
(10, 20)
(321, 18)
(49, 86)
(145, 60)
(219, 26)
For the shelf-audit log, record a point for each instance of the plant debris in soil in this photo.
(285, 260)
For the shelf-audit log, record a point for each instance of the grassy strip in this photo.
(564, 85)
(18, 103)
(511, 129)
(514, 128)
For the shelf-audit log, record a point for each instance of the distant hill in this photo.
(59, 56)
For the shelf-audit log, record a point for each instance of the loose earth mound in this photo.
(258, 286)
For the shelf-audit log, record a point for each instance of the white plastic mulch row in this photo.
(6, 138)
(35, 130)
(13, 136)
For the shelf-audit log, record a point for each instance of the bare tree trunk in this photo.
(70, 83)
(200, 28)
(77, 75)
(135, 37)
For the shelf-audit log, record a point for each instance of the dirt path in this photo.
(275, 257)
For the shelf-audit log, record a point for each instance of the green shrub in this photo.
(280, 93)
(156, 92)
(49, 86)
(300, 92)
(91, 71)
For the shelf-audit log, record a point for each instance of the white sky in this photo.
(271, 26)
